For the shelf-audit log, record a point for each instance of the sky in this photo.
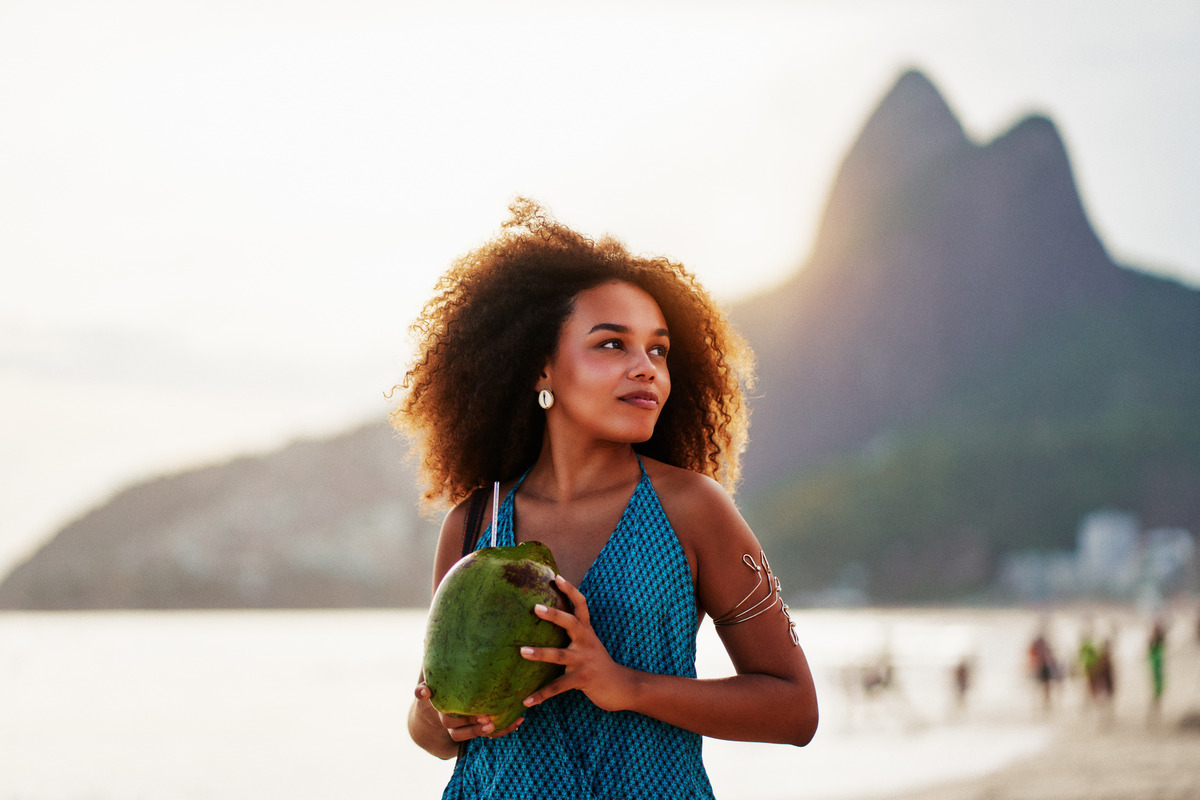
(218, 218)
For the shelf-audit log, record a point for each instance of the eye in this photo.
(612, 344)
(660, 350)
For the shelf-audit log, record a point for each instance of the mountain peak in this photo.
(1036, 139)
(915, 101)
(933, 253)
(1032, 178)
(912, 123)
(911, 128)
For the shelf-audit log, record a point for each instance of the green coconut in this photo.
(481, 616)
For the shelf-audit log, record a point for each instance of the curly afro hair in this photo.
(468, 400)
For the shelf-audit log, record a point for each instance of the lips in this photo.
(647, 400)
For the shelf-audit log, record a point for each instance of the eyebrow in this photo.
(615, 328)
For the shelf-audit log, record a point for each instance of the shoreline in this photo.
(1122, 753)
(1125, 762)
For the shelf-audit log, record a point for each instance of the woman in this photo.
(604, 391)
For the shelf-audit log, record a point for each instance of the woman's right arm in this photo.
(433, 731)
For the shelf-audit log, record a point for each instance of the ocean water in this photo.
(311, 705)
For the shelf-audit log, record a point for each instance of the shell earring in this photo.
(545, 398)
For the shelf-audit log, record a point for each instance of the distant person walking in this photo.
(1102, 681)
(1104, 684)
(1044, 668)
(962, 682)
(1156, 652)
(1089, 658)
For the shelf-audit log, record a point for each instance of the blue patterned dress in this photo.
(639, 595)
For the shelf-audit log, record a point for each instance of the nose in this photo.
(644, 368)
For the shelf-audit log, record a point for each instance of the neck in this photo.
(565, 472)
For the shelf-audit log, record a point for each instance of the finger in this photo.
(509, 729)
(462, 729)
(548, 655)
(452, 721)
(551, 689)
(575, 596)
(563, 619)
(479, 726)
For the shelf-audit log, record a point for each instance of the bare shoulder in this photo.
(450, 541)
(453, 531)
(713, 533)
(699, 508)
(456, 518)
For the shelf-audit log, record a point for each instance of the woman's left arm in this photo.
(770, 699)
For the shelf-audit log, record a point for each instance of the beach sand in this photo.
(1126, 762)
(1121, 755)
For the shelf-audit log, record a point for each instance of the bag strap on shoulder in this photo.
(476, 506)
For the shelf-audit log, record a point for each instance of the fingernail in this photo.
(488, 727)
(539, 608)
(526, 651)
(560, 578)
(527, 702)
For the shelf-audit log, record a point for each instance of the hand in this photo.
(460, 728)
(589, 667)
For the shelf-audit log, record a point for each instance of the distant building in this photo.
(1113, 558)
(1167, 553)
(1107, 552)
(1030, 575)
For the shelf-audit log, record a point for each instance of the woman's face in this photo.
(609, 371)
